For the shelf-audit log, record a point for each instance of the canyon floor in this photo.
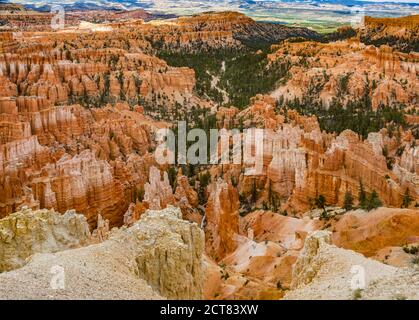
(88, 212)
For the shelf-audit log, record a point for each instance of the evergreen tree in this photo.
(407, 199)
(204, 180)
(362, 196)
(349, 201)
(254, 192)
(373, 201)
(138, 194)
(172, 174)
(273, 199)
(320, 202)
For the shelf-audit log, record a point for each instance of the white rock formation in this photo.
(27, 232)
(159, 256)
(324, 271)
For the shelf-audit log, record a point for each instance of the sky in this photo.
(401, 1)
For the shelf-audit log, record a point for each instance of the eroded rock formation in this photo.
(159, 256)
(324, 271)
(27, 232)
(326, 71)
(368, 233)
(222, 219)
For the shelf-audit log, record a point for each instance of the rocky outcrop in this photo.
(19, 18)
(304, 269)
(300, 162)
(158, 193)
(289, 232)
(159, 256)
(401, 33)
(323, 271)
(344, 166)
(396, 256)
(73, 134)
(27, 232)
(134, 212)
(261, 265)
(72, 158)
(78, 115)
(243, 28)
(369, 232)
(222, 216)
(323, 72)
(175, 81)
(187, 199)
(266, 263)
(83, 183)
(170, 256)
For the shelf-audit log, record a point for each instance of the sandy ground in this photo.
(333, 270)
(102, 271)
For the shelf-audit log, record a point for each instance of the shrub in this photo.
(357, 294)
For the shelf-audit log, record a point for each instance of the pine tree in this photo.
(349, 201)
(362, 196)
(254, 192)
(373, 201)
(172, 173)
(204, 180)
(320, 202)
(273, 199)
(407, 199)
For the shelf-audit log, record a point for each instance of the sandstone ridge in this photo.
(159, 256)
(323, 271)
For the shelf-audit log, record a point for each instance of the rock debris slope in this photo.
(323, 271)
(159, 256)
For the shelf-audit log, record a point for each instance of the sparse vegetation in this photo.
(362, 196)
(357, 294)
(172, 174)
(320, 202)
(348, 201)
(356, 115)
(407, 199)
(204, 181)
(373, 201)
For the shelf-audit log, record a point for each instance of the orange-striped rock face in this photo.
(222, 220)
(382, 228)
(391, 74)
(402, 33)
(79, 111)
(73, 132)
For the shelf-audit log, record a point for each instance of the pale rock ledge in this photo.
(159, 257)
(324, 271)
